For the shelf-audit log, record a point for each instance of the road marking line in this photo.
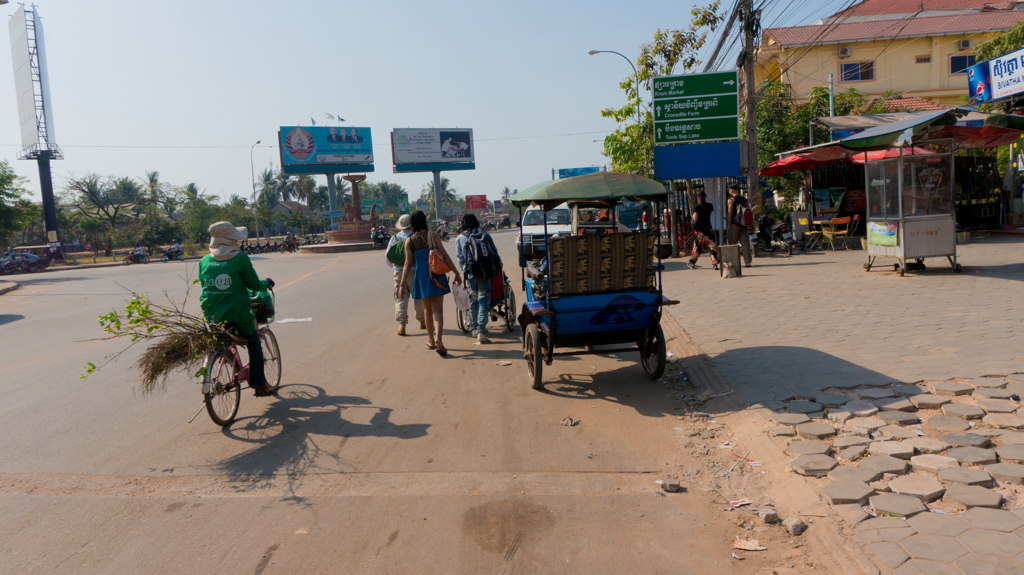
(302, 277)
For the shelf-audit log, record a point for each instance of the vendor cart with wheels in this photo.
(594, 293)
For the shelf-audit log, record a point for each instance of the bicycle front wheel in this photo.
(224, 392)
(271, 358)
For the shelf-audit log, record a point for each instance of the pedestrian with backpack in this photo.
(741, 219)
(480, 263)
(395, 254)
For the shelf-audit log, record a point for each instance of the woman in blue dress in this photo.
(428, 286)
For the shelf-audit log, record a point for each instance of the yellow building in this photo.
(913, 47)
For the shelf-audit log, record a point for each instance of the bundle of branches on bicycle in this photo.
(177, 340)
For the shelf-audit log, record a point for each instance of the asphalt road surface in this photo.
(378, 456)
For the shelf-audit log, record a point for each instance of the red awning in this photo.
(889, 154)
(794, 163)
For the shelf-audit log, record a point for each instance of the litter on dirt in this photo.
(726, 445)
(735, 556)
(568, 421)
(503, 363)
(741, 502)
(752, 545)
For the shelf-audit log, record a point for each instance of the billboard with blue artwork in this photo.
(325, 150)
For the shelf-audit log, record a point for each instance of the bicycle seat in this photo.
(533, 273)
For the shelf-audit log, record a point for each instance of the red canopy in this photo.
(888, 154)
(793, 163)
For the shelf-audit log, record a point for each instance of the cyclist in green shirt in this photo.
(225, 275)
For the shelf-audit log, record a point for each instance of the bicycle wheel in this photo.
(271, 358)
(510, 308)
(224, 393)
(462, 319)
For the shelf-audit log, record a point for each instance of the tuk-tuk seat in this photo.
(607, 263)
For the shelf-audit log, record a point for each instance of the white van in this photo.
(531, 241)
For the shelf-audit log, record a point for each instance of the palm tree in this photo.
(266, 188)
(285, 186)
(128, 191)
(343, 190)
(505, 193)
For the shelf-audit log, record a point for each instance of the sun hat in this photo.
(228, 231)
(404, 222)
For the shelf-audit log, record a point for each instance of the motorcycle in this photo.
(169, 255)
(445, 236)
(381, 240)
(134, 258)
(289, 246)
(772, 237)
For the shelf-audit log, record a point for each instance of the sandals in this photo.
(442, 351)
(431, 347)
(265, 391)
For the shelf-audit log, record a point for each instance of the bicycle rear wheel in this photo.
(510, 308)
(271, 358)
(224, 393)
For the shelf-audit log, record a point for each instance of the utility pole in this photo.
(750, 22)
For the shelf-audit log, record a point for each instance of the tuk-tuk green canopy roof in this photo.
(599, 187)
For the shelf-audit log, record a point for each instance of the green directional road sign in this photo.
(695, 108)
(700, 130)
(695, 85)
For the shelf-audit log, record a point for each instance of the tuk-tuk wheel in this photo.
(867, 267)
(534, 356)
(654, 364)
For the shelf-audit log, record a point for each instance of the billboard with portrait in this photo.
(324, 149)
(433, 145)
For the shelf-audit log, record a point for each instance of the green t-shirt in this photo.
(224, 297)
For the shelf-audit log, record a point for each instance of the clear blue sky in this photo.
(223, 74)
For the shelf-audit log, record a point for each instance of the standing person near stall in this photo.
(741, 219)
(703, 232)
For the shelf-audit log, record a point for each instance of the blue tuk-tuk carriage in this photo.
(599, 287)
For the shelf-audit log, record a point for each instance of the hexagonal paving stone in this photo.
(1012, 437)
(908, 390)
(876, 393)
(973, 455)
(831, 400)
(922, 567)
(923, 487)
(839, 416)
(938, 524)
(884, 464)
(988, 382)
(951, 389)
(965, 476)
(889, 554)
(1003, 421)
(1010, 452)
(790, 419)
(1007, 472)
(932, 463)
(894, 404)
(963, 410)
(947, 423)
(966, 440)
(933, 547)
(806, 447)
(899, 417)
(992, 543)
(892, 449)
(1016, 387)
(814, 465)
(849, 473)
(990, 432)
(865, 423)
(815, 430)
(803, 407)
(964, 497)
(845, 491)
(980, 564)
(896, 432)
(928, 401)
(852, 453)
(927, 445)
(845, 441)
(896, 505)
(992, 519)
(860, 408)
(993, 393)
(998, 405)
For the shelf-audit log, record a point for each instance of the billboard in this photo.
(403, 204)
(478, 202)
(573, 172)
(37, 131)
(423, 206)
(431, 146)
(497, 206)
(367, 203)
(325, 150)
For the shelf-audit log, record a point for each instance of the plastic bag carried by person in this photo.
(461, 297)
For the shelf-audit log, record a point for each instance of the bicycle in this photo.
(225, 373)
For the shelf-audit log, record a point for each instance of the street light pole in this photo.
(255, 205)
(635, 75)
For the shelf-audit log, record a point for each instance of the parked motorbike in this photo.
(169, 255)
(772, 237)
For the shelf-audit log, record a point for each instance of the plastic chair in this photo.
(815, 236)
(840, 228)
(856, 222)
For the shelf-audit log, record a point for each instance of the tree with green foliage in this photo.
(1008, 41)
(630, 146)
(13, 204)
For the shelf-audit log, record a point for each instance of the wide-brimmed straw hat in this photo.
(229, 231)
(404, 222)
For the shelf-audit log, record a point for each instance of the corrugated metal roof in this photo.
(885, 29)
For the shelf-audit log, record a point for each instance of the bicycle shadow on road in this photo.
(288, 437)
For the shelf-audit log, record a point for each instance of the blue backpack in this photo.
(482, 259)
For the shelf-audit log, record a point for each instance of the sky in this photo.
(186, 89)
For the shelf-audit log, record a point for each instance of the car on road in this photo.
(22, 263)
(530, 242)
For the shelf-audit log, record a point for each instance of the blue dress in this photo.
(423, 286)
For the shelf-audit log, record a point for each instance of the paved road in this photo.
(378, 457)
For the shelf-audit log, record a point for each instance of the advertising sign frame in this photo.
(432, 146)
(476, 202)
(310, 150)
